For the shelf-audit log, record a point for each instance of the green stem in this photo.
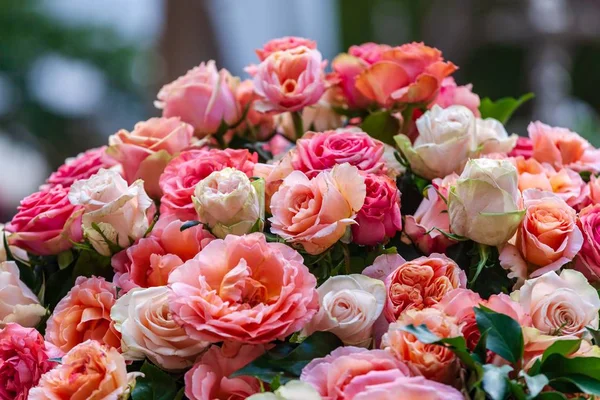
(298, 124)
(220, 140)
(406, 119)
(346, 258)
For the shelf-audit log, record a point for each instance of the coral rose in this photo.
(17, 302)
(451, 94)
(89, 371)
(209, 378)
(81, 167)
(588, 259)
(282, 44)
(84, 313)
(24, 357)
(421, 283)
(146, 151)
(46, 223)
(243, 289)
(315, 212)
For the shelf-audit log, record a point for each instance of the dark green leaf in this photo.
(65, 259)
(562, 347)
(585, 175)
(422, 333)
(505, 336)
(155, 385)
(495, 381)
(502, 109)
(179, 395)
(535, 384)
(517, 390)
(595, 335)
(582, 383)
(550, 396)
(381, 125)
(480, 349)
(483, 252)
(557, 366)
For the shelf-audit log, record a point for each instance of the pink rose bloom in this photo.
(150, 261)
(590, 194)
(562, 147)
(320, 151)
(146, 151)
(203, 97)
(411, 73)
(83, 314)
(451, 94)
(24, 357)
(588, 259)
(46, 222)
(524, 148)
(81, 167)
(282, 44)
(536, 343)
(209, 378)
(278, 145)
(17, 302)
(260, 124)
(289, 80)
(420, 229)
(315, 212)
(243, 289)
(379, 218)
(411, 387)
(190, 167)
(421, 283)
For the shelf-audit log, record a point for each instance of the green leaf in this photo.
(495, 381)
(179, 395)
(535, 383)
(422, 333)
(581, 383)
(502, 109)
(505, 336)
(65, 259)
(595, 335)
(562, 347)
(558, 366)
(483, 251)
(155, 385)
(550, 396)
(382, 126)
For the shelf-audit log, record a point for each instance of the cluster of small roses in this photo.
(206, 245)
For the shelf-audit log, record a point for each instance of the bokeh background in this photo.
(72, 72)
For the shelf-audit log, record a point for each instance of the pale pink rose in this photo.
(24, 357)
(243, 289)
(562, 147)
(81, 167)
(562, 304)
(145, 152)
(278, 146)
(338, 375)
(46, 223)
(383, 266)
(524, 148)
(190, 167)
(315, 212)
(17, 252)
(289, 80)
(284, 43)
(150, 261)
(89, 371)
(421, 283)
(492, 139)
(17, 302)
(209, 378)
(549, 237)
(423, 228)
(430, 360)
(411, 388)
(588, 259)
(261, 125)
(379, 218)
(203, 97)
(451, 94)
(84, 313)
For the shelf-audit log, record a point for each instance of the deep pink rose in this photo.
(190, 167)
(24, 357)
(379, 218)
(46, 222)
(284, 43)
(203, 97)
(523, 148)
(588, 259)
(81, 167)
(244, 289)
(261, 125)
(149, 262)
(451, 94)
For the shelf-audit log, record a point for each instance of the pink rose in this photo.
(81, 167)
(203, 97)
(588, 259)
(282, 44)
(146, 151)
(190, 167)
(423, 228)
(209, 378)
(536, 343)
(260, 124)
(562, 147)
(411, 387)
(289, 80)
(411, 73)
(150, 261)
(315, 212)
(379, 218)
(243, 289)
(46, 222)
(451, 94)
(590, 194)
(524, 148)
(24, 357)
(17, 302)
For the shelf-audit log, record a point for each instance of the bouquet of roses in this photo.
(369, 233)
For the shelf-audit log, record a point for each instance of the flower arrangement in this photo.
(367, 233)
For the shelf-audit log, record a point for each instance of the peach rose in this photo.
(89, 371)
(84, 313)
(430, 360)
(283, 43)
(562, 147)
(562, 304)
(421, 283)
(261, 125)
(244, 289)
(536, 343)
(451, 94)
(143, 318)
(145, 152)
(17, 302)
(315, 212)
(209, 378)
(588, 259)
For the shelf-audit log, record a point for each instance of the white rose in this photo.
(491, 137)
(121, 212)
(228, 203)
(17, 302)
(148, 330)
(445, 142)
(17, 252)
(349, 306)
(293, 390)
